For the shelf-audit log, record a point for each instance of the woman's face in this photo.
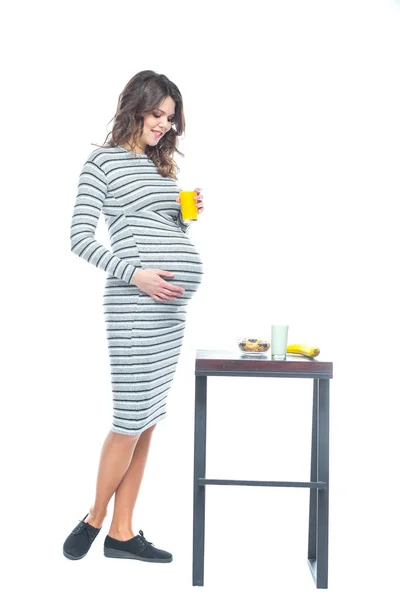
(157, 123)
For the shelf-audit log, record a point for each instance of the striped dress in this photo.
(146, 231)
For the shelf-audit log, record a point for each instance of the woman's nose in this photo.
(163, 122)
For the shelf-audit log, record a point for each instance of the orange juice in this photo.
(188, 206)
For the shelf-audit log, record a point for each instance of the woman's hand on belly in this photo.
(150, 282)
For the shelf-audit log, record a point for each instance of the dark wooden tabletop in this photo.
(234, 362)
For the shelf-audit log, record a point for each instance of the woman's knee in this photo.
(124, 438)
(149, 430)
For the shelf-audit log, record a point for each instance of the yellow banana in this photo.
(303, 349)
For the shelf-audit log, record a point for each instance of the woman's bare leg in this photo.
(115, 458)
(128, 490)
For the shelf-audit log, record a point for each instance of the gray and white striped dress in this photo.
(146, 231)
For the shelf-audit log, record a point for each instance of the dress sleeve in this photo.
(92, 190)
(184, 225)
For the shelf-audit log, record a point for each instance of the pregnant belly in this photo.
(184, 262)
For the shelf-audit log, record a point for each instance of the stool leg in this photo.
(312, 521)
(323, 475)
(199, 471)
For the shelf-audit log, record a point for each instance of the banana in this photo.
(303, 349)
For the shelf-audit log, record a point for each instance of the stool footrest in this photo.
(321, 485)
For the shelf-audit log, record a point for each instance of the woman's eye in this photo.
(171, 120)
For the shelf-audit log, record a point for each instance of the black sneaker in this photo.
(79, 540)
(137, 547)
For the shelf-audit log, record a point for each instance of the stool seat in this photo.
(230, 363)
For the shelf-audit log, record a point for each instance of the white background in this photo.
(293, 131)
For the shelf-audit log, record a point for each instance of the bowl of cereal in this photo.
(253, 345)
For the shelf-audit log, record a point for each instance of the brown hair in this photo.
(143, 93)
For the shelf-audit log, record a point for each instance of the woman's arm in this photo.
(184, 225)
(92, 190)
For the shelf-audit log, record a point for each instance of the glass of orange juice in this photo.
(188, 205)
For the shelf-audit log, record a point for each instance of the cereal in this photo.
(253, 345)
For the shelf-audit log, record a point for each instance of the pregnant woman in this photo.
(152, 272)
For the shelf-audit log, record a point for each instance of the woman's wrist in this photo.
(134, 278)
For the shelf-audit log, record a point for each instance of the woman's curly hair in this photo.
(143, 93)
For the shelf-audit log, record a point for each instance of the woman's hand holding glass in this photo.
(199, 200)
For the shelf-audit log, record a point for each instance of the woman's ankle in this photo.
(96, 518)
(121, 533)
